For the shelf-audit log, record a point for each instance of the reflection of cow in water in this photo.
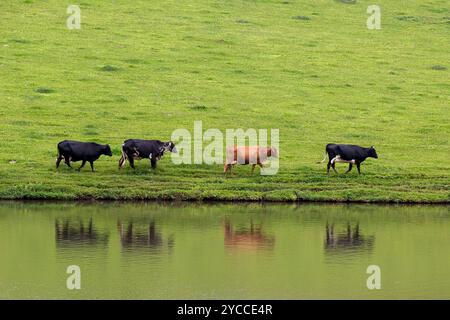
(70, 232)
(134, 235)
(349, 240)
(251, 238)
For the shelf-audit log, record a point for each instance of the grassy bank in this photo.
(311, 69)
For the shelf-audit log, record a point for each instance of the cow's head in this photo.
(170, 146)
(107, 150)
(273, 152)
(373, 153)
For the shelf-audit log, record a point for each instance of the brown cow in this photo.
(248, 155)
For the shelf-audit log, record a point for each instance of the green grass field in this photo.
(312, 69)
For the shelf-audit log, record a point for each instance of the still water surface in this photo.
(223, 251)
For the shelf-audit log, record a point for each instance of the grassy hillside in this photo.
(142, 69)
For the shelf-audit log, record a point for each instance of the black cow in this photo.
(84, 151)
(137, 149)
(347, 153)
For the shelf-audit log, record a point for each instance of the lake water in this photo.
(223, 251)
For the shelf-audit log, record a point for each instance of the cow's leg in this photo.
(131, 161)
(82, 165)
(328, 166)
(358, 166)
(67, 161)
(153, 162)
(350, 166)
(330, 232)
(58, 160)
(227, 167)
(121, 161)
(261, 166)
(333, 165)
(92, 165)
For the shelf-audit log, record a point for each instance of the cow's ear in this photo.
(371, 147)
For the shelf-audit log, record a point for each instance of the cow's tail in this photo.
(123, 157)
(58, 158)
(61, 150)
(60, 155)
(59, 147)
(323, 160)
